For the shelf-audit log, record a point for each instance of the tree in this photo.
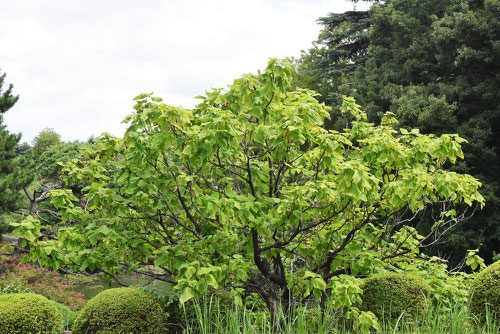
(49, 153)
(44, 140)
(50, 163)
(326, 67)
(345, 37)
(434, 64)
(7, 100)
(44, 161)
(46, 167)
(249, 192)
(343, 43)
(436, 60)
(12, 175)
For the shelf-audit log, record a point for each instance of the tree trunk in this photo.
(18, 249)
(279, 306)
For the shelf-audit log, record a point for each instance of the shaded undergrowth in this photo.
(211, 318)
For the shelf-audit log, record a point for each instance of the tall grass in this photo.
(212, 319)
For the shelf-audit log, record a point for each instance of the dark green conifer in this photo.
(436, 65)
(13, 177)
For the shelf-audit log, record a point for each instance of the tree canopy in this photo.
(44, 161)
(250, 192)
(46, 139)
(435, 65)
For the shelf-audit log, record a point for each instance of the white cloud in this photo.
(77, 64)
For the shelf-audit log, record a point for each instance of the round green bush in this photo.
(391, 294)
(121, 310)
(484, 293)
(22, 313)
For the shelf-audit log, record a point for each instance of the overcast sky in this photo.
(78, 64)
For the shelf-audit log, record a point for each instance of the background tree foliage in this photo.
(41, 164)
(46, 139)
(45, 160)
(48, 154)
(249, 192)
(435, 65)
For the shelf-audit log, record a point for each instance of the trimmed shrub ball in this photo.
(121, 310)
(392, 294)
(484, 293)
(22, 313)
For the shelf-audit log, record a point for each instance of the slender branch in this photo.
(188, 213)
(26, 191)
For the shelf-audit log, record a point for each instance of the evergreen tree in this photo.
(340, 48)
(7, 100)
(12, 175)
(435, 65)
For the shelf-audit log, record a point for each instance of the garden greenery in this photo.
(391, 295)
(485, 293)
(22, 313)
(120, 310)
(28, 277)
(248, 191)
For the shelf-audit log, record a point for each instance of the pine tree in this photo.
(7, 100)
(13, 177)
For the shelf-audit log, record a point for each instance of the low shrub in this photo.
(173, 315)
(6, 248)
(12, 289)
(484, 293)
(22, 313)
(390, 295)
(48, 283)
(448, 289)
(120, 310)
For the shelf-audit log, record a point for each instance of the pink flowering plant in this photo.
(29, 277)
